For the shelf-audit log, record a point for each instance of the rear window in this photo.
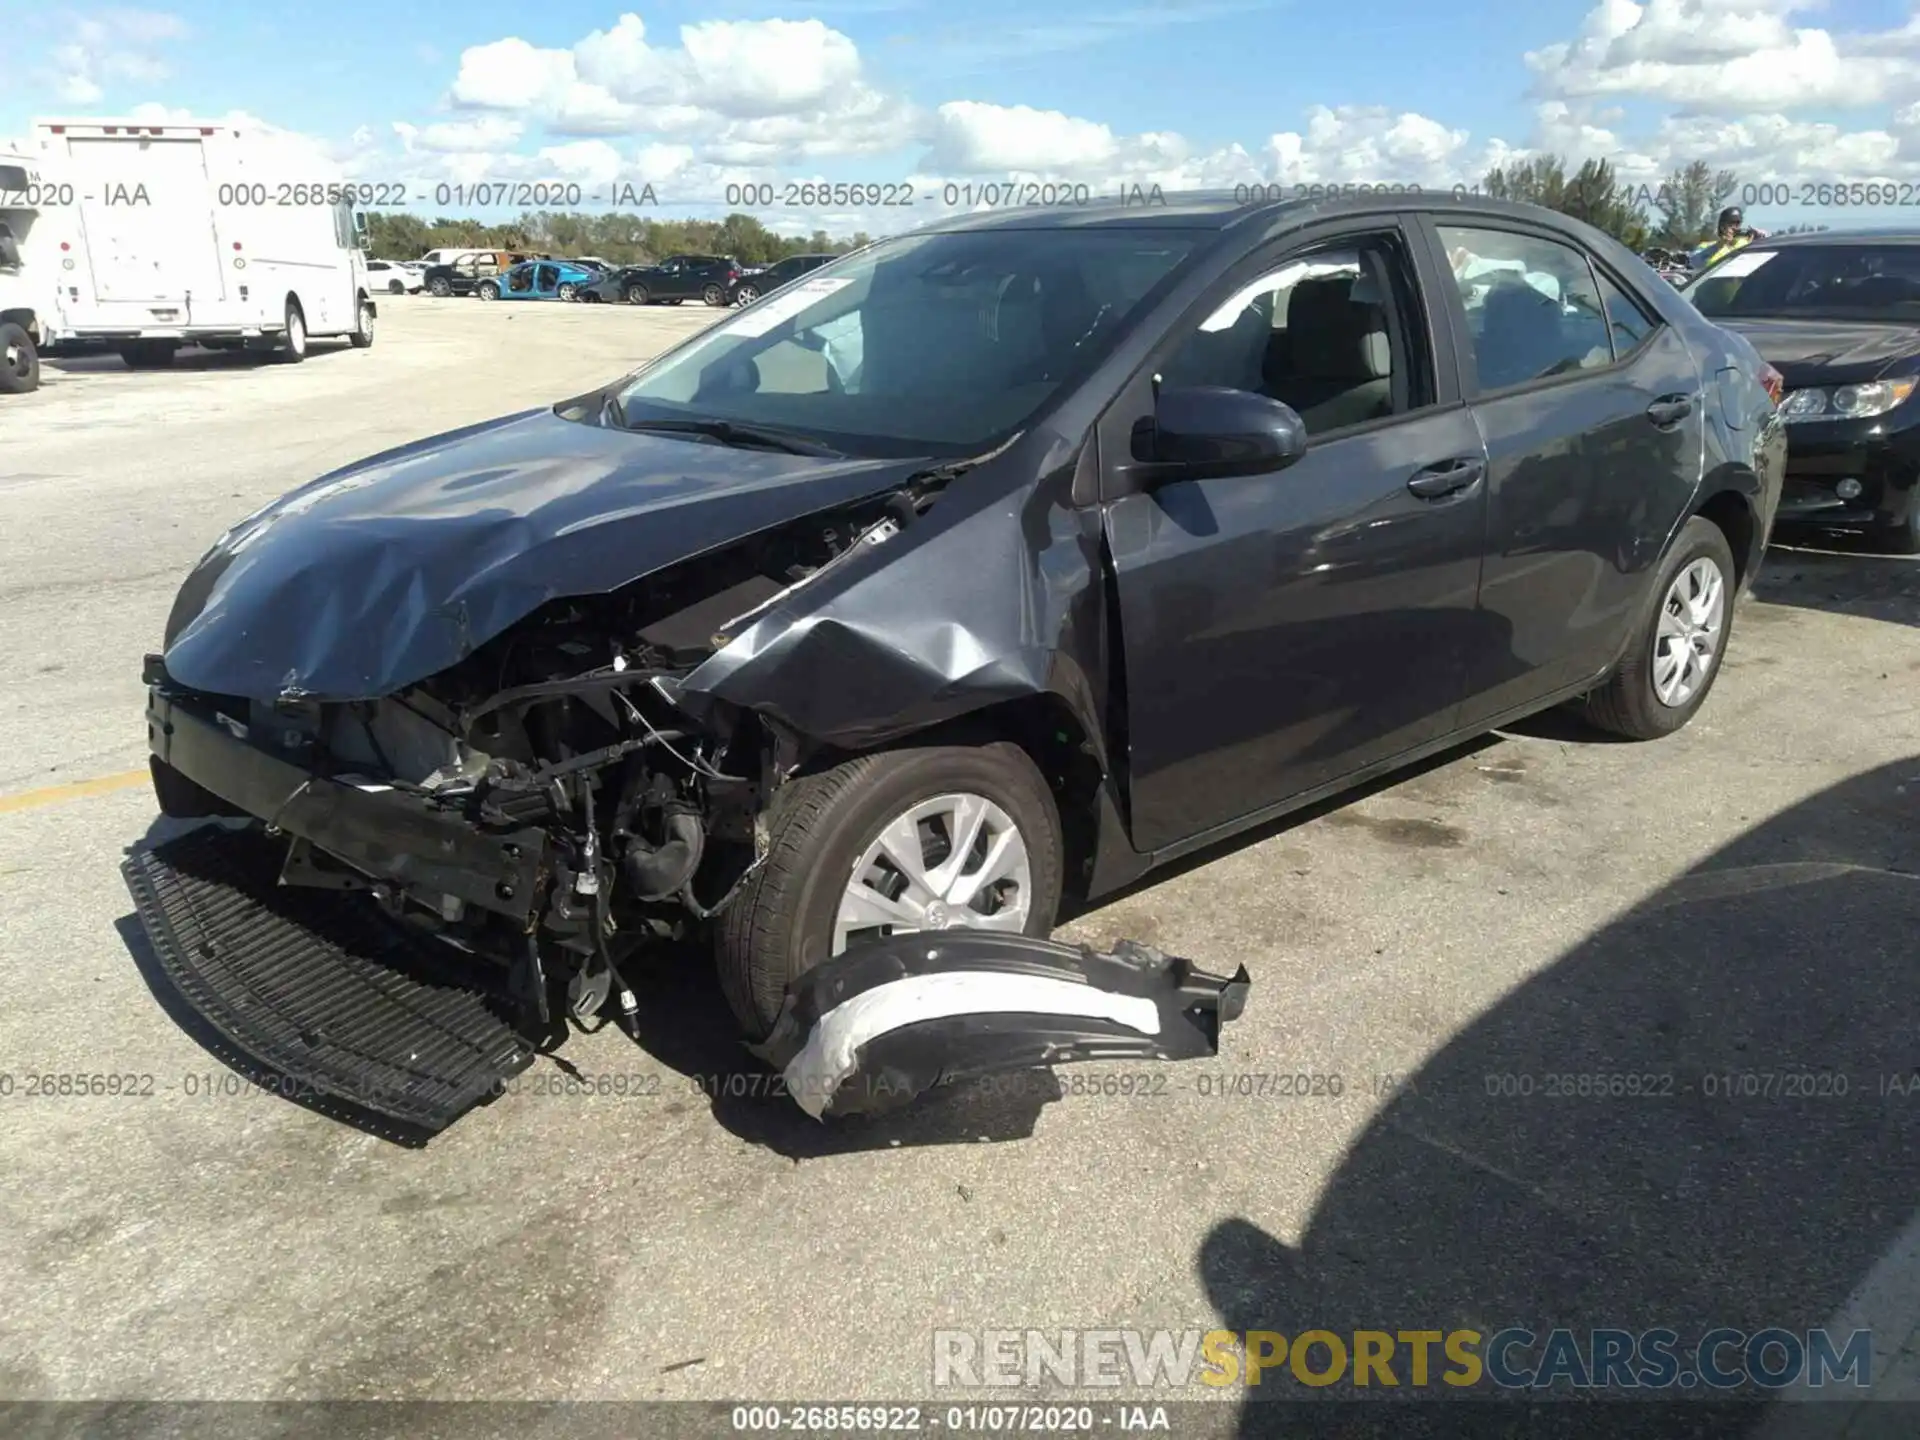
(1845, 281)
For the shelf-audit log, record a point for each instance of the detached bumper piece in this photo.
(326, 994)
(870, 1030)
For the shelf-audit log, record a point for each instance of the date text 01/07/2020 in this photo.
(966, 194)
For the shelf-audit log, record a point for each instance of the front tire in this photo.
(875, 846)
(636, 294)
(1677, 652)
(747, 294)
(362, 336)
(440, 288)
(568, 292)
(488, 290)
(19, 361)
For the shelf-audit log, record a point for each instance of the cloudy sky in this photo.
(695, 96)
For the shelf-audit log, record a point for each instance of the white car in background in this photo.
(394, 277)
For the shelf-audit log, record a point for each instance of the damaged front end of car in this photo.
(528, 693)
(541, 803)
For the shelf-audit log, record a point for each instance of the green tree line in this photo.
(1677, 213)
(623, 238)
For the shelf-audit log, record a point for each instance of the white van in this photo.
(201, 233)
(28, 313)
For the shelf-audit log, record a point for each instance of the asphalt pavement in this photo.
(1740, 899)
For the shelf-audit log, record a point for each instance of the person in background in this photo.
(1732, 235)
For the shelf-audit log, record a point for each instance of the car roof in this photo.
(1224, 210)
(1873, 234)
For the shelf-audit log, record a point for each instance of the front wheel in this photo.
(488, 290)
(568, 292)
(19, 361)
(905, 840)
(747, 295)
(362, 337)
(440, 288)
(1676, 654)
(636, 294)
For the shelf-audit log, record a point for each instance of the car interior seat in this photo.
(1520, 334)
(1339, 365)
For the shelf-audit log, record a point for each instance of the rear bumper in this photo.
(388, 835)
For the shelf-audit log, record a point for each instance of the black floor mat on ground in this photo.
(317, 985)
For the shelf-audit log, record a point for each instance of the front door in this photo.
(1281, 631)
(1593, 414)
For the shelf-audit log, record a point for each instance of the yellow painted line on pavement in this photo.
(74, 790)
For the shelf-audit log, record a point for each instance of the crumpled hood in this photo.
(1827, 352)
(380, 574)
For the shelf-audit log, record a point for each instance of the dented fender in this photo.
(995, 594)
(872, 1029)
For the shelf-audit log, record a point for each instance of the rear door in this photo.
(146, 218)
(1593, 415)
(1283, 630)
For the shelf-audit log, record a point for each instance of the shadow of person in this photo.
(1739, 1154)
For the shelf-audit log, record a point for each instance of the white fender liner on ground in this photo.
(872, 1029)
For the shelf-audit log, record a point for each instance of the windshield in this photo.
(1865, 282)
(939, 344)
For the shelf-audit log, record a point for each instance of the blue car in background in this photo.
(537, 280)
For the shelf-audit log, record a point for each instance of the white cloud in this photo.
(110, 48)
(486, 132)
(1725, 56)
(759, 92)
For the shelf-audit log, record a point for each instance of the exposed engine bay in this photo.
(558, 726)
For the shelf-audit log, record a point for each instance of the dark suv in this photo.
(674, 279)
(463, 276)
(752, 285)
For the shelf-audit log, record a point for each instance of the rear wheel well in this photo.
(1053, 738)
(1733, 513)
(24, 318)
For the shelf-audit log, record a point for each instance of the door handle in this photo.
(1670, 409)
(1446, 478)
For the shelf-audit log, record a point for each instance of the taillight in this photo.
(1774, 382)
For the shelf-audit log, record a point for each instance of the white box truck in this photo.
(29, 318)
(201, 233)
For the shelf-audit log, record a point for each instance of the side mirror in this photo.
(9, 249)
(1207, 431)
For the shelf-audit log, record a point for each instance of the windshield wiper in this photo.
(744, 437)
